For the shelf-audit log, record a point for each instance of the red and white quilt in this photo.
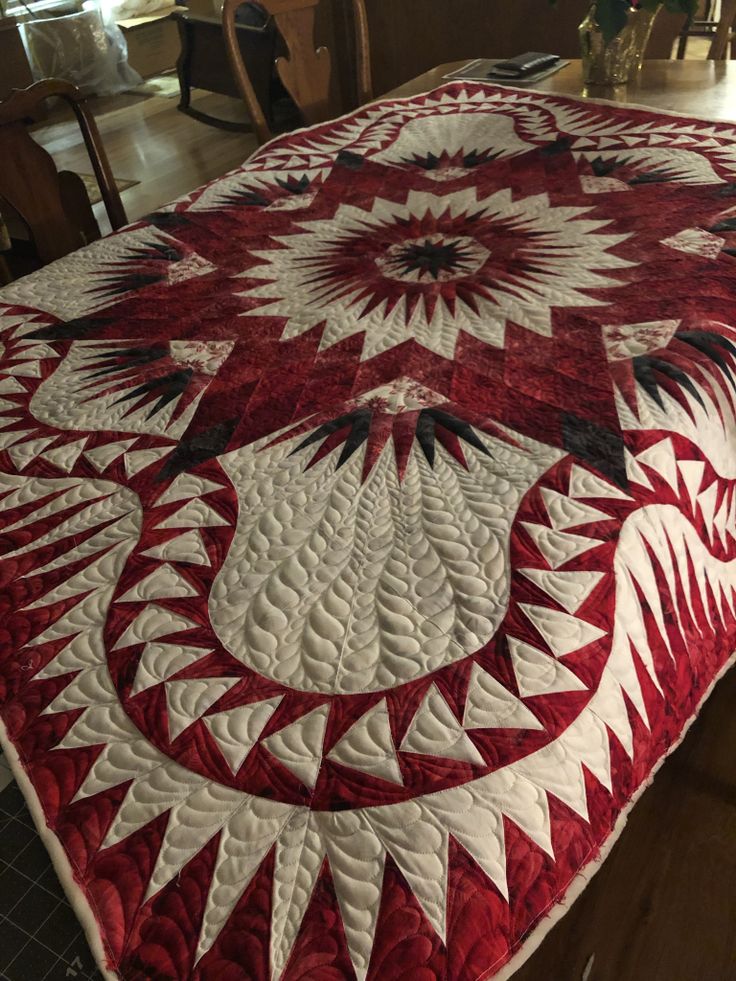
(368, 533)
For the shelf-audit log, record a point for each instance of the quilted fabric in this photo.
(368, 533)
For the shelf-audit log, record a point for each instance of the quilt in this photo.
(368, 534)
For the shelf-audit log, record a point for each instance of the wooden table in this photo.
(662, 907)
(698, 88)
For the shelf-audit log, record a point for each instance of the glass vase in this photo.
(617, 62)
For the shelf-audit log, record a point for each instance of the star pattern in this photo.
(368, 529)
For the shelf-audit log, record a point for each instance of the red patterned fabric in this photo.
(368, 526)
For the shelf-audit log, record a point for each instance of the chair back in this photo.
(306, 71)
(723, 33)
(54, 205)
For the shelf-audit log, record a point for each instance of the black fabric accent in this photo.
(675, 374)
(167, 219)
(475, 158)
(459, 427)
(561, 145)
(727, 225)
(129, 358)
(357, 436)
(294, 187)
(597, 446)
(425, 435)
(601, 167)
(426, 432)
(360, 424)
(190, 453)
(644, 374)
(653, 177)
(247, 197)
(160, 250)
(432, 257)
(707, 343)
(173, 384)
(71, 330)
(346, 158)
(125, 283)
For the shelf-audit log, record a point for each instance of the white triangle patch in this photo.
(34, 351)
(707, 504)
(12, 436)
(160, 661)
(188, 700)
(24, 453)
(165, 582)
(368, 746)
(692, 472)
(187, 485)
(565, 512)
(434, 731)
(28, 369)
(539, 674)
(299, 745)
(569, 589)
(102, 456)
(635, 472)
(151, 623)
(138, 460)
(8, 385)
(661, 459)
(491, 706)
(64, 457)
(584, 483)
(559, 547)
(236, 730)
(188, 547)
(194, 514)
(562, 632)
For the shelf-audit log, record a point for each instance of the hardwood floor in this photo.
(662, 907)
(148, 140)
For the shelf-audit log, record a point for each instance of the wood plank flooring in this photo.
(148, 140)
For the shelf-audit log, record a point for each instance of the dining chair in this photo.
(307, 70)
(53, 204)
(723, 35)
(719, 29)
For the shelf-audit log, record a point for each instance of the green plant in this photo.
(612, 15)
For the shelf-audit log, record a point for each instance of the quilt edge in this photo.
(59, 859)
(86, 916)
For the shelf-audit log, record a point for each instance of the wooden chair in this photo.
(306, 72)
(723, 36)
(54, 205)
(719, 30)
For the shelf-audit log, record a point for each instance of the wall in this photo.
(409, 37)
